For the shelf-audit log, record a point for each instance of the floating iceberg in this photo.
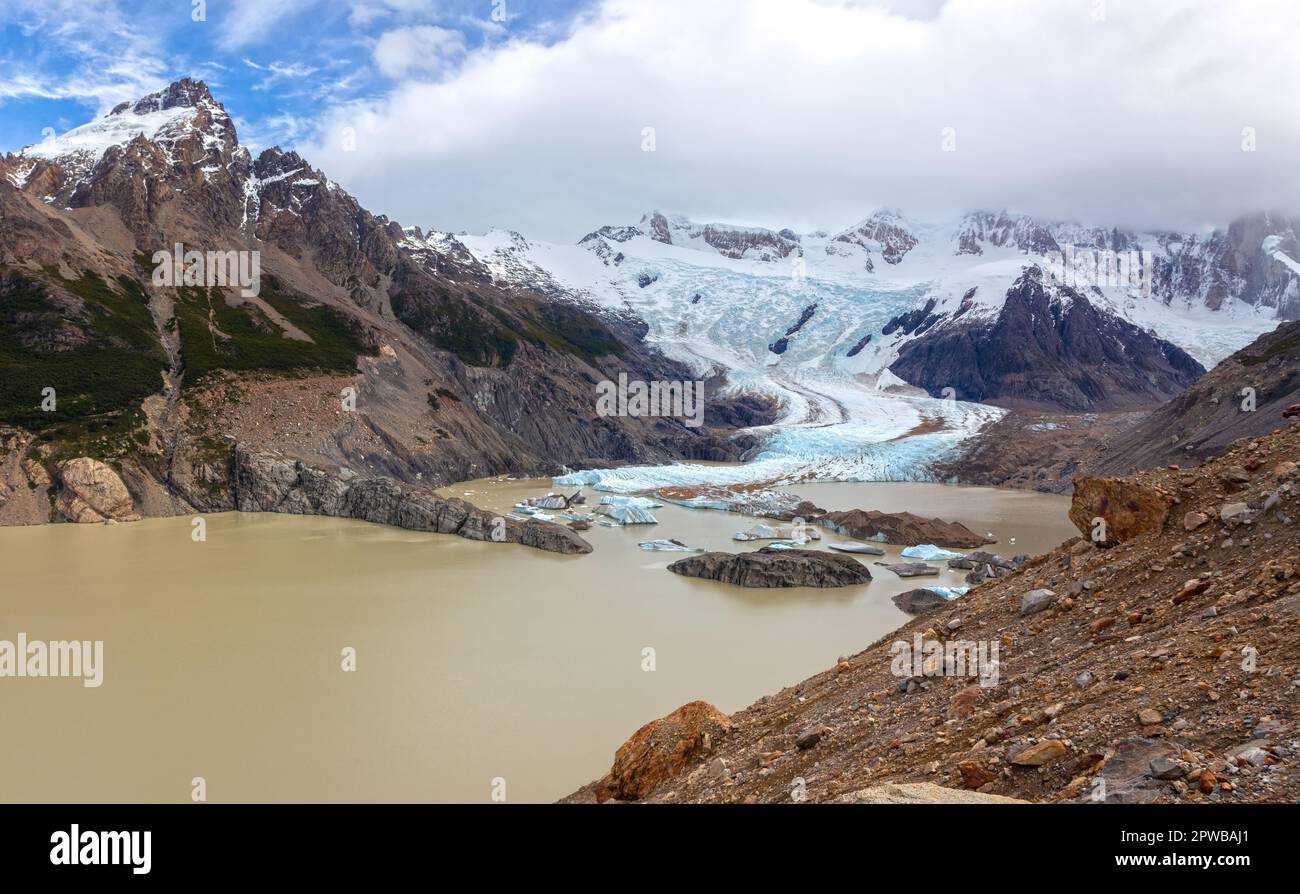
(758, 532)
(637, 502)
(671, 546)
(778, 532)
(949, 592)
(700, 502)
(530, 512)
(860, 548)
(929, 553)
(628, 515)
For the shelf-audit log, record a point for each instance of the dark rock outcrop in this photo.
(919, 602)
(267, 483)
(1048, 347)
(900, 528)
(911, 569)
(770, 567)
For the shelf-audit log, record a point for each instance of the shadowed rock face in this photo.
(769, 567)
(1049, 348)
(267, 483)
(1215, 411)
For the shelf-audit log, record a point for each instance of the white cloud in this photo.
(367, 11)
(253, 21)
(422, 49)
(110, 61)
(811, 112)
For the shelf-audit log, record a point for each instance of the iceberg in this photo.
(671, 546)
(928, 552)
(778, 532)
(637, 502)
(530, 512)
(860, 548)
(949, 592)
(701, 502)
(628, 515)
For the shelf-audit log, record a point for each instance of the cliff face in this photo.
(1048, 348)
(1159, 668)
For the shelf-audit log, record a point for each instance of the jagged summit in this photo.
(185, 93)
(184, 107)
(179, 133)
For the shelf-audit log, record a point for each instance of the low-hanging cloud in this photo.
(809, 113)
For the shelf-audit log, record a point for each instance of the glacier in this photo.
(800, 318)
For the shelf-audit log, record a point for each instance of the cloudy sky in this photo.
(553, 117)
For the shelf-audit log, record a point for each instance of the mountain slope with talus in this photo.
(1245, 396)
(1157, 666)
(455, 376)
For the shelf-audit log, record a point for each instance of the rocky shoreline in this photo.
(86, 491)
(1156, 664)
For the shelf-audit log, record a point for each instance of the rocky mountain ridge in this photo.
(452, 375)
(1049, 347)
(1252, 260)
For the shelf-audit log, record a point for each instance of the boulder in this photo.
(1036, 601)
(36, 473)
(810, 737)
(1129, 508)
(661, 749)
(1126, 775)
(1230, 511)
(92, 492)
(1149, 717)
(1039, 754)
(975, 774)
(770, 567)
(901, 528)
(920, 793)
(918, 602)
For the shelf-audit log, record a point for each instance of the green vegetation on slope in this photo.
(481, 333)
(242, 339)
(101, 363)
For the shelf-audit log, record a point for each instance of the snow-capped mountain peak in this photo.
(183, 119)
